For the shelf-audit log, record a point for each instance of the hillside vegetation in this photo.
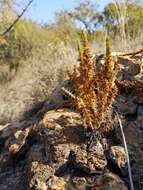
(35, 58)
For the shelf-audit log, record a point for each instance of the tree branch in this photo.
(17, 19)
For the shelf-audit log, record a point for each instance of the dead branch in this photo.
(17, 19)
(133, 53)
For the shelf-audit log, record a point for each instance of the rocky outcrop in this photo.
(59, 153)
(130, 65)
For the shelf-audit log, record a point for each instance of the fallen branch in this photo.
(133, 54)
(17, 19)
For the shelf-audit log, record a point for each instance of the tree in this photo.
(63, 29)
(86, 13)
(124, 18)
(134, 19)
(115, 15)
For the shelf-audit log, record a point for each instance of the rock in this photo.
(65, 127)
(63, 117)
(113, 182)
(56, 183)
(126, 105)
(61, 135)
(81, 159)
(79, 183)
(129, 67)
(108, 181)
(118, 156)
(38, 175)
(96, 159)
(35, 153)
(17, 140)
(62, 154)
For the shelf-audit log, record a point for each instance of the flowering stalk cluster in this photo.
(94, 89)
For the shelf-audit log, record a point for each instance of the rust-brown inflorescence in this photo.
(95, 89)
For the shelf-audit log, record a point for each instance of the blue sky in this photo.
(43, 10)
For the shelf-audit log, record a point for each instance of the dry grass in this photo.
(35, 81)
(130, 45)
